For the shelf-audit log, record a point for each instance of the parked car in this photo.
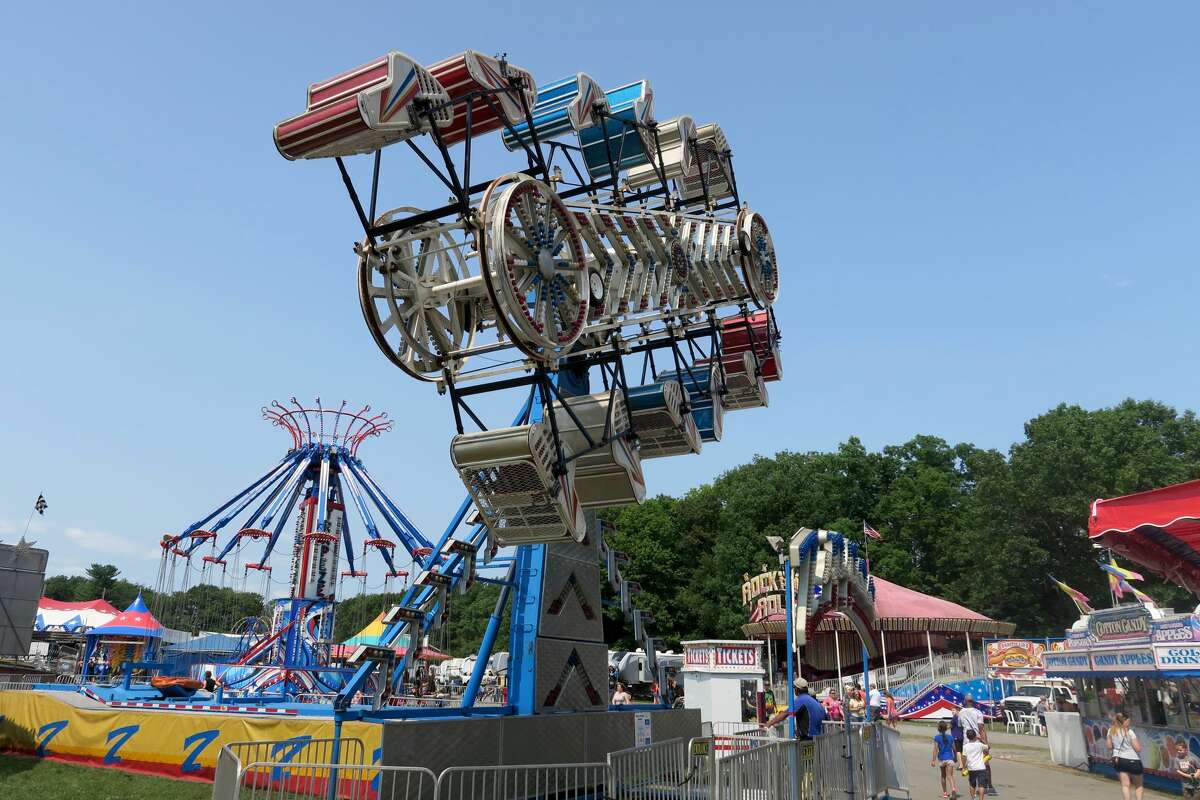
(1040, 697)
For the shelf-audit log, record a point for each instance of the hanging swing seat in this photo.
(510, 475)
(201, 535)
(213, 560)
(609, 473)
(353, 573)
(379, 544)
(320, 536)
(253, 533)
(396, 573)
(663, 426)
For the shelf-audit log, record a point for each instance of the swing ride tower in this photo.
(297, 517)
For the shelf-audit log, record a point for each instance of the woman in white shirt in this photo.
(621, 697)
(1127, 756)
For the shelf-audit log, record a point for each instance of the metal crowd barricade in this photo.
(522, 782)
(273, 780)
(736, 737)
(299, 754)
(652, 771)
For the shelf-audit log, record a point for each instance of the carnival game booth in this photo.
(133, 636)
(1139, 660)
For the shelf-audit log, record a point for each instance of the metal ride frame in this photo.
(684, 312)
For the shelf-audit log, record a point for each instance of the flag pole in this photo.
(28, 522)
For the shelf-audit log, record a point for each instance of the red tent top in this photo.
(898, 608)
(102, 606)
(894, 600)
(1159, 529)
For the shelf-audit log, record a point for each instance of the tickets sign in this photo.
(722, 656)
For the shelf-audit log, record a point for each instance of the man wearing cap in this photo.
(806, 710)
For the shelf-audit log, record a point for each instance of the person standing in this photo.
(807, 713)
(855, 705)
(956, 731)
(876, 701)
(621, 697)
(833, 706)
(1188, 767)
(971, 719)
(973, 761)
(944, 758)
(1126, 751)
(891, 714)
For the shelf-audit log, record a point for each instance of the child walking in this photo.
(974, 762)
(944, 758)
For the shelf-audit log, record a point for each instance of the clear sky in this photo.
(980, 211)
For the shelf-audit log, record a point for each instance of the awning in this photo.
(1159, 529)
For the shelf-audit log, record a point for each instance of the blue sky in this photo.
(980, 211)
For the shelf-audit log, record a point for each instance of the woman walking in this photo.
(944, 757)
(1127, 756)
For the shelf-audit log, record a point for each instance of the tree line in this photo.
(977, 526)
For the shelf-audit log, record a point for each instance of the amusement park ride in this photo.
(619, 253)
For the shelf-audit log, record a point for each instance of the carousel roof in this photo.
(1159, 529)
(898, 608)
(133, 621)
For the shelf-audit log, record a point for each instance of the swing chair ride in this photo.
(316, 480)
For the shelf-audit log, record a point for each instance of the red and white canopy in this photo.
(59, 615)
(1159, 529)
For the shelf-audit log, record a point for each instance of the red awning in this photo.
(1159, 529)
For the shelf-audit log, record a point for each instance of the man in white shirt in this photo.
(971, 719)
(974, 761)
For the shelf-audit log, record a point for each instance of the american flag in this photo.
(41, 505)
(870, 532)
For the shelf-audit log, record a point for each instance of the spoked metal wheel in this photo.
(758, 257)
(418, 297)
(534, 268)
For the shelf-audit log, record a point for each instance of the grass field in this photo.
(24, 778)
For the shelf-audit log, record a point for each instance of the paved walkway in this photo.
(1021, 770)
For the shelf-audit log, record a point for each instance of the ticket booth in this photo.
(722, 678)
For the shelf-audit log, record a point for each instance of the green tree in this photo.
(101, 578)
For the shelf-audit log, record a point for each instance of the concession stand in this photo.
(1136, 658)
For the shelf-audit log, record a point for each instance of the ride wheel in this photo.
(418, 297)
(534, 267)
(758, 257)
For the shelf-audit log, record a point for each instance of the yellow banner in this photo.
(173, 743)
